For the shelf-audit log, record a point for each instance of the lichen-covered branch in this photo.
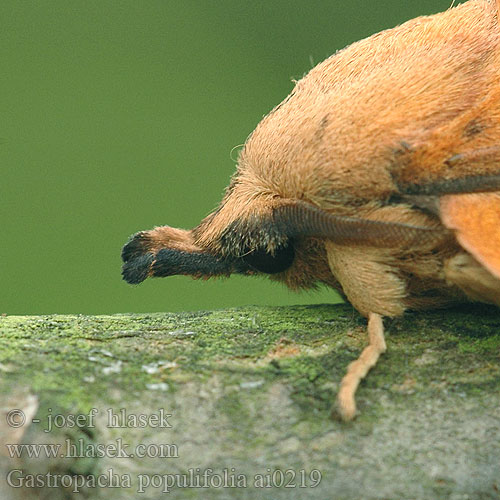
(241, 398)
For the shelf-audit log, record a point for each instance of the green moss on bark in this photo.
(251, 389)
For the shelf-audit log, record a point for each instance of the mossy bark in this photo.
(239, 401)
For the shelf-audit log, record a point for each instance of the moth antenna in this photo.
(462, 185)
(302, 219)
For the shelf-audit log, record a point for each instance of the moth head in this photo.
(167, 251)
(253, 245)
(287, 243)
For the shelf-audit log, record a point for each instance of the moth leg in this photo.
(357, 370)
(369, 283)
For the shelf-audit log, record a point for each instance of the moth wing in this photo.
(475, 218)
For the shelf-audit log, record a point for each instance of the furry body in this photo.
(379, 175)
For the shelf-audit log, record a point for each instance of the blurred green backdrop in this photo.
(121, 115)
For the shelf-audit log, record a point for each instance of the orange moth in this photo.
(379, 175)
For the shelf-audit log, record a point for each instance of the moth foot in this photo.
(357, 370)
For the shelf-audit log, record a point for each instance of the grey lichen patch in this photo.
(251, 389)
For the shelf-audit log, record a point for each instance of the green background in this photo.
(117, 116)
